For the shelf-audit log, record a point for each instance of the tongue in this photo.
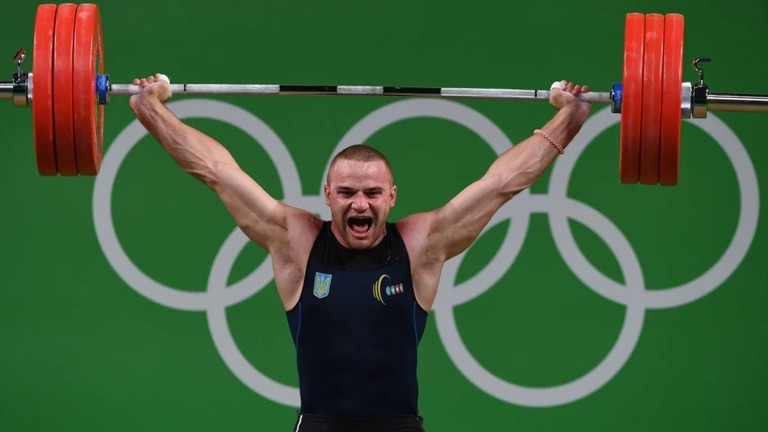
(359, 228)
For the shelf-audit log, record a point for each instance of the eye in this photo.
(374, 192)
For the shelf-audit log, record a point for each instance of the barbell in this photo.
(67, 90)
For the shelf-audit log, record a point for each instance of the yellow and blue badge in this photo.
(322, 285)
(377, 289)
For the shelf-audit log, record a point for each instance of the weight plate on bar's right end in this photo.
(42, 92)
(652, 91)
(88, 114)
(632, 92)
(671, 115)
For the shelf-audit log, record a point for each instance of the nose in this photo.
(359, 203)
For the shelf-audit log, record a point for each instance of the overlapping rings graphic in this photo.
(634, 294)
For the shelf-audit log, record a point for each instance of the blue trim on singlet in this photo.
(298, 330)
(415, 329)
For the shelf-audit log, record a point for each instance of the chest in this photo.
(377, 295)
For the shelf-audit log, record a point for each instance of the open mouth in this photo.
(360, 224)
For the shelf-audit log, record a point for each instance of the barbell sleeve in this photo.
(737, 102)
(6, 89)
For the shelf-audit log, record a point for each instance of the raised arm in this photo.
(441, 234)
(261, 217)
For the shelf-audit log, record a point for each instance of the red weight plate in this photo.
(651, 119)
(669, 154)
(63, 119)
(631, 105)
(88, 61)
(42, 89)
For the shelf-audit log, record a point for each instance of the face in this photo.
(360, 195)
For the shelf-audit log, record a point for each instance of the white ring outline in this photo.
(600, 374)
(632, 296)
(490, 133)
(102, 201)
(702, 285)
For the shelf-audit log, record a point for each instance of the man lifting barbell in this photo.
(358, 273)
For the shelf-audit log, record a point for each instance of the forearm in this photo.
(522, 165)
(195, 152)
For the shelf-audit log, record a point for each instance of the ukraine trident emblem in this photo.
(322, 285)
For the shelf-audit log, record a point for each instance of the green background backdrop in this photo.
(80, 349)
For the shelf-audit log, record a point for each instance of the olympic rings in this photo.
(635, 295)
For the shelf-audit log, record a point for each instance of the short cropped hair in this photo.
(359, 153)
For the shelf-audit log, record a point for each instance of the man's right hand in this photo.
(154, 86)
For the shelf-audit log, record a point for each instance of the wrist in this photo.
(549, 139)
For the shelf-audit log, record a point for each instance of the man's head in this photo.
(360, 192)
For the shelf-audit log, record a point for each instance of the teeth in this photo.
(360, 223)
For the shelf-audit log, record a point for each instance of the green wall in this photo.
(129, 302)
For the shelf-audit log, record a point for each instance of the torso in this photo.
(356, 327)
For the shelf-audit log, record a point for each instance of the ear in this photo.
(392, 196)
(327, 194)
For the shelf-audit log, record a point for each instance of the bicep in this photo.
(457, 224)
(260, 216)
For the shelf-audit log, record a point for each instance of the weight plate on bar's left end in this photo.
(63, 118)
(671, 116)
(88, 114)
(42, 92)
(632, 93)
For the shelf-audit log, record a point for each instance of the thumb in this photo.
(163, 77)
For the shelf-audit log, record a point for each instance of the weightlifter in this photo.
(371, 281)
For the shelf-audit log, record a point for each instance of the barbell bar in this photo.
(68, 88)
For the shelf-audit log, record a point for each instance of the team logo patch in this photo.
(382, 288)
(322, 285)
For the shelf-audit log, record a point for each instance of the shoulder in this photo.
(413, 226)
(417, 224)
(298, 232)
(415, 231)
